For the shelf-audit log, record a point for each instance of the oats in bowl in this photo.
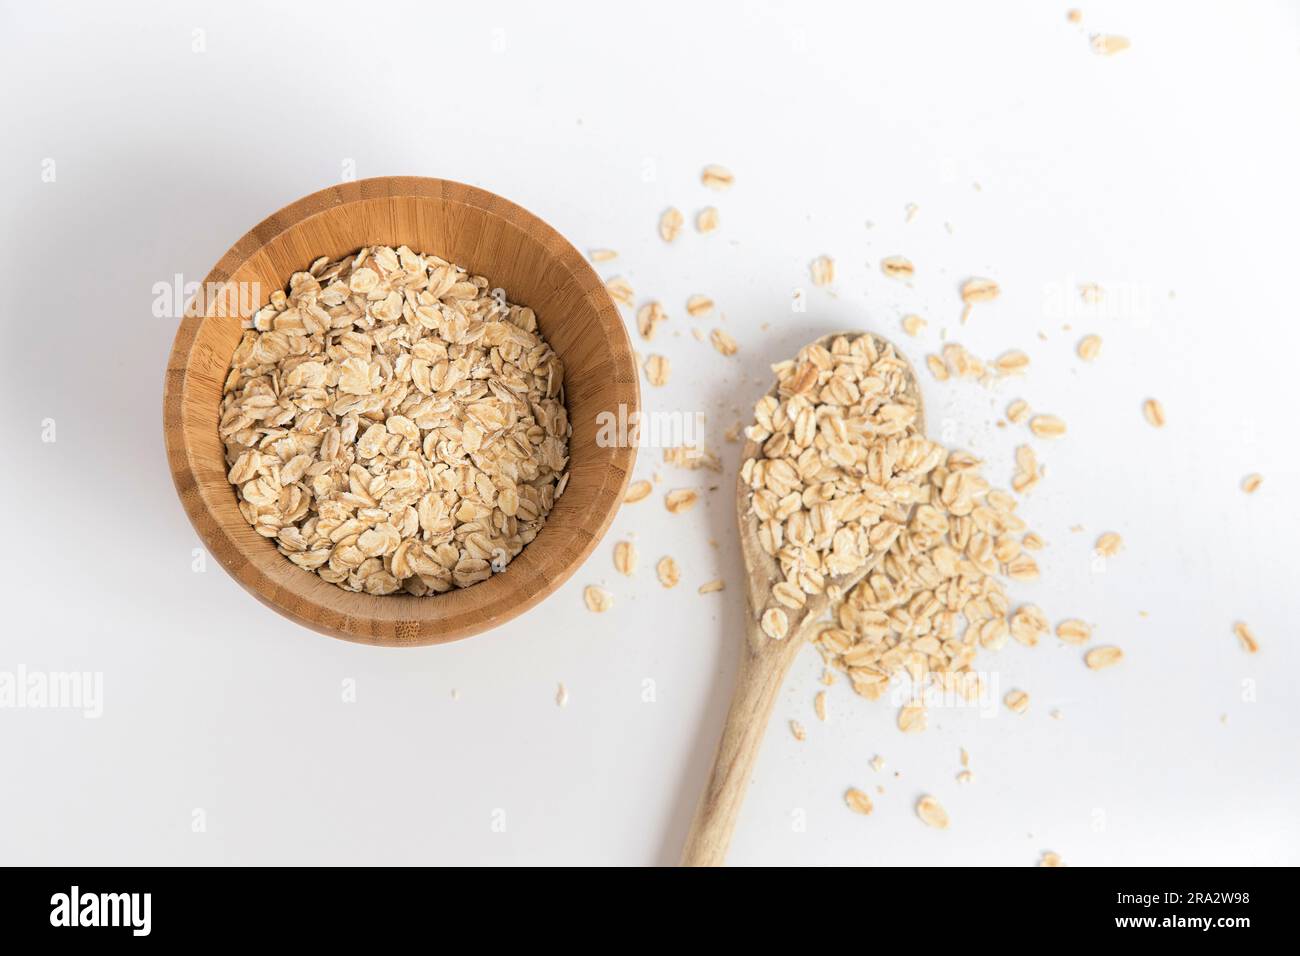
(395, 424)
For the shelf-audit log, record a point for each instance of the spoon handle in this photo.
(763, 666)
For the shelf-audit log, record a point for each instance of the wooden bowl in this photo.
(488, 236)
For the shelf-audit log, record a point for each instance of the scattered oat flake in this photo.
(637, 491)
(598, 599)
(620, 290)
(1074, 631)
(603, 255)
(723, 342)
(979, 290)
(1017, 701)
(306, 391)
(1104, 44)
(1018, 411)
(1100, 657)
(681, 499)
(797, 731)
(1013, 362)
(717, 177)
(858, 801)
(965, 776)
(699, 305)
(1074, 16)
(657, 370)
(625, 558)
(706, 220)
(1022, 568)
(819, 705)
(897, 267)
(1049, 858)
(909, 212)
(1250, 484)
(562, 696)
(877, 763)
(1109, 544)
(1247, 638)
(823, 270)
(668, 572)
(670, 224)
(1154, 412)
(774, 622)
(648, 318)
(1028, 624)
(1089, 347)
(937, 367)
(913, 324)
(965, 758)
(1047, 426)
(932, 813)
(911, 718)
(712, 587)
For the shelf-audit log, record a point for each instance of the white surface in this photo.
(1167, 173)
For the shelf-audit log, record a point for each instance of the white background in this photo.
(1167, 174)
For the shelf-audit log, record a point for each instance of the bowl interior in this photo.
(487, 235)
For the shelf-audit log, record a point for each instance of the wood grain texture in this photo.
(487, 235)
(763, 664)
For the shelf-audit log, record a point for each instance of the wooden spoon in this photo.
(763, 661)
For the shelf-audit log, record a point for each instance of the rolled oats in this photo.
(680, 500)
(394, 424)
(897, 267)
(1250, 484)
(723, 342)
(637, 491)
(1089, 347)
(913, 324)
(668, 572)
(1017, 701)
(1247, 638)
(648, 319)
(1074, 631)
(823, 270)
(657, 370)
(1109, 44)
(858, 801)
(1013, 362)
(597, 599)
(1109, 544)
(625, 558)
(932, 813)
(1100, 657)
(912, 718)
(706, 220)
(775, 623)
(620, 290)
(698, 306)
(1047, 426)
(717, 177)
(670, 224)
(1154, 412)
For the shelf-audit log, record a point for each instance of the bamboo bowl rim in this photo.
(545, 563)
